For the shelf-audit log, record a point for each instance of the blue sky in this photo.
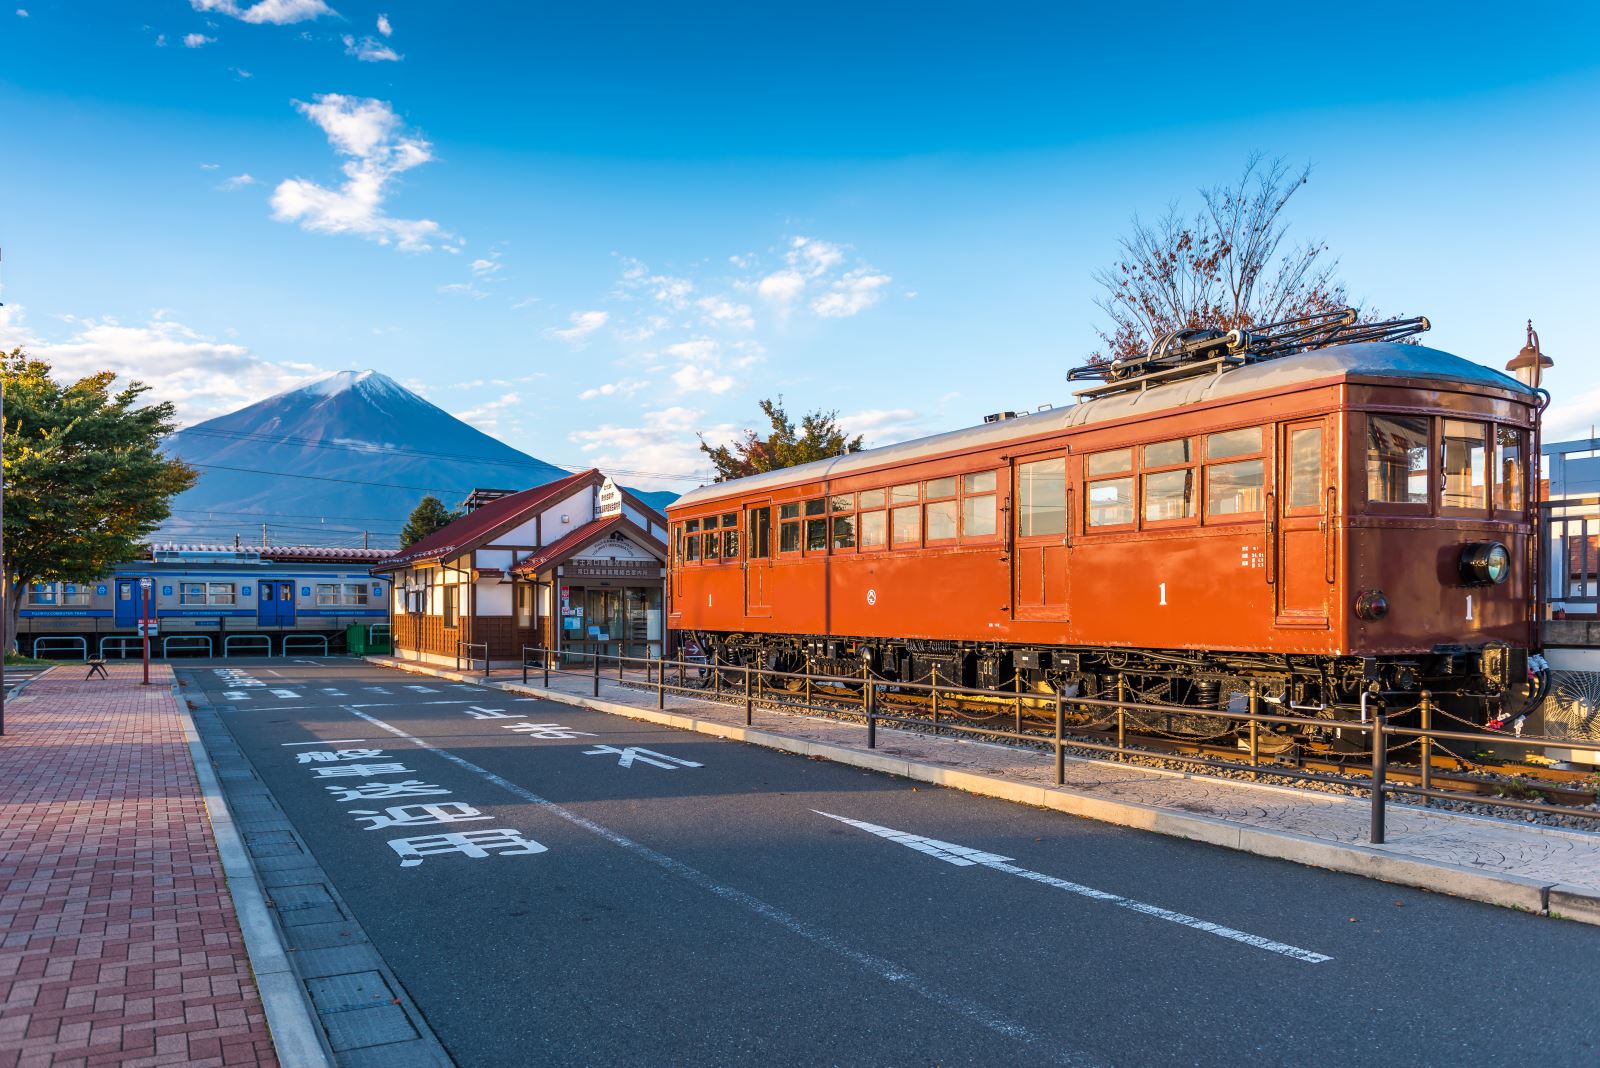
(594, 230)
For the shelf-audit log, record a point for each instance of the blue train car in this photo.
(209, 599)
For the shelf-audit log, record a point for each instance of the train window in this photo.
(815, 507)
(816, 535)
(730, 537)
(789, 534)
(1397, 459)
(691, 543)
(977, 516)
(906, 526)
(192, 593)
(222, 592)
(73, 593)
(789, 511)
(874, 528)
(1231, 443)
(759, 544)
(1510, 474)
(327, 593)
(354, 593)
(711, 543)
(730, 519)
(1305, 467)
(903, 494)
(1166, 453)
(938, 487)
(842, 502)
(844, 532)
(42, 593)
(1109, 463)
(941, 519)
(1110, 502)
(978, 482)
(871, 499)
(1042, 498)
(1169, 495)
(1234, 489)
(1464, 465)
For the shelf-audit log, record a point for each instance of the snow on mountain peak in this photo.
(370, 382)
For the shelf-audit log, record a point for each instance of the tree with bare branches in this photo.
(1228, 267)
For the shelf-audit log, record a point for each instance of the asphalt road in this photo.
(708, 902)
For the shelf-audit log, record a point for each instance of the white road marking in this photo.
(331, 692)
(626, 757)
(886, 970)
(236, 695)
(375, 689)
(325, 741)
(269, 671)
(421, 689)
(451, 702)
(962, 856)
(287, 695)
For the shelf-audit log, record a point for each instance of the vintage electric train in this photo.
(209, 599)
(1321, 508)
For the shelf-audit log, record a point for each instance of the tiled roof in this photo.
(566, 546)
(321, 554)
(479, 523)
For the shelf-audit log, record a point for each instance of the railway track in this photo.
(1474, 780)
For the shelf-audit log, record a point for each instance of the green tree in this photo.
(429, 515)
(818, 438)
(85, 478)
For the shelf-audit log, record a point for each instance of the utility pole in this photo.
(263, 535)
(144, 628)
(5, 571)
(364, 539)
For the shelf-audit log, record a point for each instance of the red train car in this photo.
(1320, 518)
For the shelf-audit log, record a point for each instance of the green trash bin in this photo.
(355, 639)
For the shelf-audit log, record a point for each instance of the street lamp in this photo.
(1529, 364)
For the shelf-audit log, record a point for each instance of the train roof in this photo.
(1371, 359)
(186, 552)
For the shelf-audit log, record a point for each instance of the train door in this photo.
(128, 607)
(1303, 553)
(267, 603)
(286, 602)
(1039, 536)
(758, 560)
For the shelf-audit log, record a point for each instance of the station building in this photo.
(574, 565)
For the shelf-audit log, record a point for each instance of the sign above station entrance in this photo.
(610, 499)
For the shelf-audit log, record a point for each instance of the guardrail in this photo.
(799, 691)
(122, 640)
(469, 646)
(320, 638)
(227, 642)
(166, 643)
(69, 641)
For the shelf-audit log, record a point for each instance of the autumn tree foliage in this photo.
(429, 515)
(1229, 266)
(818, 437)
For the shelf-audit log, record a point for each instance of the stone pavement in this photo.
(1530, 866)
(120, 943)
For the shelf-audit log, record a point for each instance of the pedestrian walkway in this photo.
(120, 944)
(1542, 869)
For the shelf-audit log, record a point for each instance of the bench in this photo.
(97, 667)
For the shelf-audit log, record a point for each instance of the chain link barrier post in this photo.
(1426, 769)
(595, 659)
(1255, 732)
(749, 701)
(1380, 767)
(867, 703)
(1061, 753)
(936, 700)
(1122, 718)
(661, 680)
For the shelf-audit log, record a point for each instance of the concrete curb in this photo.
(1506, 890)
(295, 1034)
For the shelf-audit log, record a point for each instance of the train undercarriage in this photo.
(1490, 685)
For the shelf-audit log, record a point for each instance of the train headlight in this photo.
(1484, 563)
(1372, 605)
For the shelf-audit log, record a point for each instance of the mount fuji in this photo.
(341, 460)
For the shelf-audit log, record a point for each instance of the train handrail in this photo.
(227, 643)
(81, 642)
(323, 638)
(167, 641)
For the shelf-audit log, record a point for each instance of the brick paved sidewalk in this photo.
(120, 944)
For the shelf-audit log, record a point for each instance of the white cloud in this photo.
(197, 40)
(584, 323)
(272, 12)
(370, 50)
(487, 417)
(701, 349)
(694, 378)
(782, 287)
(369, 132)
(883, 426)
(463, 289)
(857, 291)
(627, 387)
(200, 375)
(813, 258)
(666, 444)
(383, 25)
(720, 311)
(161, 40)
(238, 71)
(1573, 416)
(22, 12)
(483, 267)
(209, 166)
(238, 181)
